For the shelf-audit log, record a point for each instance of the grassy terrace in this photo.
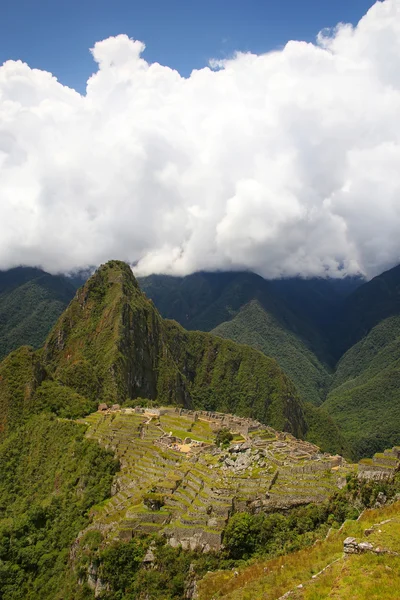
(360, 577)
(198, 490)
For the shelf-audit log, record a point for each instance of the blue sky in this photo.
(184, 34)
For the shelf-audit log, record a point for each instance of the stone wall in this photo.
(240, 425)
(382, 466)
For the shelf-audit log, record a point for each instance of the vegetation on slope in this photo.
(20, 375)
(50, 478)
(248, 539)
(288, 320)
(367, 306)
(255, 535)
(234, 378)
(259, 329)
(112, 345)
(324, 432)
(365, 395)
(107, 343)
(30, 303)
(358, 576)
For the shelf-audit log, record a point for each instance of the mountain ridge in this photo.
(111, 345)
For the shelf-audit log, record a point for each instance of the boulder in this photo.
(365, 547)
(149, 558)
(350, 545)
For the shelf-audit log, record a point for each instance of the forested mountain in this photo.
(31, 300)
(205, 300)
(111, 344)
(367, 306)
(336, 339)
(289, 319)
(255, 326)
(305, 325)
(364, 398)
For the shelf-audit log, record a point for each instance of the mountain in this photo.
(205, 300)
(364, 398)
(296, 310)
(255, 326)
(302, 324)
(367, 306)
(286, 319)
(337, 340)
(111, 345)
(31, 300)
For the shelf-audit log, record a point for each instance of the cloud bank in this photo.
(285, 163)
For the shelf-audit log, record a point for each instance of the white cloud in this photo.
(285, 163)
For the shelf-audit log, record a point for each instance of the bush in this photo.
(154, 501)
(223, 438)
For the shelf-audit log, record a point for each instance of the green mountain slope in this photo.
(224, 376)
(256, 327)
(285, 319)
(322, 571)
(112, 345)
(30, 303)
(367, 306)
(365, 395)
(51, 476)
(21, 373)
(205, 300)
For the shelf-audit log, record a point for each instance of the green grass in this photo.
(362, 577)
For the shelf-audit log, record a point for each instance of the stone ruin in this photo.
(383, 465)
(237, 425)
(203, 485)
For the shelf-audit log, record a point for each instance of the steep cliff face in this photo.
(108, 343)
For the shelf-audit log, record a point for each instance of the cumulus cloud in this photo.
(284, 163)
